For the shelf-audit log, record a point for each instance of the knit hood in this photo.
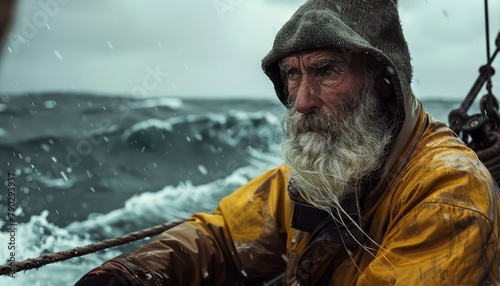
(360, 26)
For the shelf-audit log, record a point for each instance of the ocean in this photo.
(86, 167)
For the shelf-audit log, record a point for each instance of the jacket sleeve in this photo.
(243, 239)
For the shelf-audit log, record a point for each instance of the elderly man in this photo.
(374, 190)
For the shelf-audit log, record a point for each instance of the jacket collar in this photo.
(340, 228)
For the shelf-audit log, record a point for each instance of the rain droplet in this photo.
(202, 169)
(58, 55)
(445, 13)
(64, 176)
(45, 147)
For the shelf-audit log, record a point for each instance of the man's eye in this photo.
(328, 72)
(292, 74)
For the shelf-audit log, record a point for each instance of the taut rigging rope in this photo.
(80, 251)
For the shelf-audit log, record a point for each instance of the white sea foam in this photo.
(230, 127)
(174, 103)
(39, 237)
(171, 203)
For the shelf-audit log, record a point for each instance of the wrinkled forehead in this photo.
(315, 57)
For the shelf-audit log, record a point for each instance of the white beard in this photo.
(332, 156)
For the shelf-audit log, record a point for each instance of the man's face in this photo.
(323, 80)
(337, 135)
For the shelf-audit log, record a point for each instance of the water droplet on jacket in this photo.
(390, 70)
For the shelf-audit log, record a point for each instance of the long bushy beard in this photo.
(333, 156)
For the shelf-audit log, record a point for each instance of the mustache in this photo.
(313, 122)
(320, 123)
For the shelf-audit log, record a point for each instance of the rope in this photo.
(486, 19)
(80, 251)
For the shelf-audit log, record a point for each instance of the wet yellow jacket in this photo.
(433, 221)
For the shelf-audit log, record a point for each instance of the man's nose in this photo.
(307, 99)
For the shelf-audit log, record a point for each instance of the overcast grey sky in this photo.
(207, 48)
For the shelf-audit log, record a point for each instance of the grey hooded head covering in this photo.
(361, 26)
